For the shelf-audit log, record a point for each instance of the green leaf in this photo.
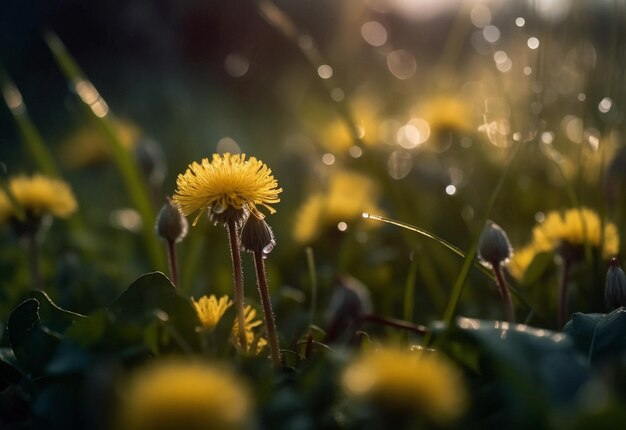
(522, 373)
(88, 331)
(52, 316)
(153, 297)
(32, 343)
(598, 336)
(9, 370)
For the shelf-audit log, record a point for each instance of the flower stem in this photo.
(506, 297)
(238, 282)
(396, 323)
(33, 260)
(268, 315)
(173, 264)
(563, 309)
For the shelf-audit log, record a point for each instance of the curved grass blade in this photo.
(30, 136)
(101, 113)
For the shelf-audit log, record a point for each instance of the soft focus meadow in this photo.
(270, 214)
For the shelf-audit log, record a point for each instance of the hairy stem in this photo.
(173, 264)
(33, 260)
(506, 297)
(237, 282)
(268, 315)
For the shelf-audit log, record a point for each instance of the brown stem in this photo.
(237, 282)
(33, 260)
(268, 315)
(392, 322)
(173, 264)
(563, 309)
(506, 297)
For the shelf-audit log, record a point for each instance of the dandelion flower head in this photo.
(347, 196)
(577, 227)
(185, 395)
(210, 310)
(521, 260)
(38, 195)
(251, 337)
(409, 381)
(226, 183)
(568, 232)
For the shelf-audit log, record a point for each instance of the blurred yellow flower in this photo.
(573, 228)
(226, 182)
(444, 113)
(38, 195)
(175, 395)
(210, 310)
(250, 324)
(521, 260)
(88, 145)
(348, 195)
(407, 381)
(577, 226)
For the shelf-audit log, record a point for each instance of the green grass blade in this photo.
(99, 110)
(470, 258)
(33, 141)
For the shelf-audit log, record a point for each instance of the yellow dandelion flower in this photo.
(407, 381)
(185, 395)
(250, 324)
(521, 260)
(347, 197)
(447, 113)
(577, 227)
(226, 183)
(38, 195)
(210, 310)
(87, 145)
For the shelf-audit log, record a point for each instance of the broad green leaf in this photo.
(52, 316)
(9, 370)
(32, 343)
(529, 371)
(152, 297)
(598, 336)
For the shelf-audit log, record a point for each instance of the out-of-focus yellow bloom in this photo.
(409, 382)
(337, 136)
(521, 261)
(226, 182)
(185, 395)
(348, 195)
(447, 113)
(571, 229)
(38, 195)
(250, 323)
(578, 226)
(210, 310)
(88, 145)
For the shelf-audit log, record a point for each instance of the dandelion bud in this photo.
(149, 156)
(349, 302)
(494, 247)
(257, 236)
(615, 290)
(171, 225)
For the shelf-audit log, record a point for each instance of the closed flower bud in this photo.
(494, 247)
(257, 236)
(615, 290)
(349, 303)
(171, 225)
